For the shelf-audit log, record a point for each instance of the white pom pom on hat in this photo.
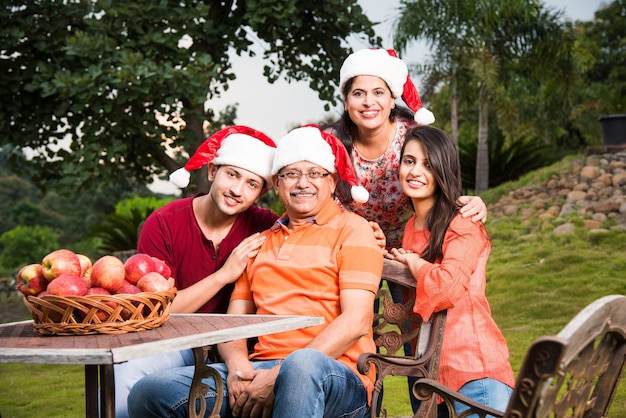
(309, 143)
(239, 146)
(385, 64)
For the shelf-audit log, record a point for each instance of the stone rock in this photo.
(589, 173)
(591, 224)
(619, 180)
(566, 228)
(593, 189)
(575, 196)
(510, 210)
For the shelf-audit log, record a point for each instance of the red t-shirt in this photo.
(172, 234)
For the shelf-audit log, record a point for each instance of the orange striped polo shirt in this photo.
(302, 271)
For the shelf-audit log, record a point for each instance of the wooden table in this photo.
(19, 343)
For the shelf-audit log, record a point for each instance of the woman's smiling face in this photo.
(369, 101)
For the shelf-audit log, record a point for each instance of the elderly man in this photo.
(317, 260)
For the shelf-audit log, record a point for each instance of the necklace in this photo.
(392, 134)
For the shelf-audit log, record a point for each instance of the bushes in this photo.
(26, 244)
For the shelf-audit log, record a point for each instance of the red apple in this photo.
(101, 314)
(127, 288)
(107, 272)
(30, 280)
(153, 282)
(59, 262)
(161, 267)
(87, 276)
(85, 264)
(67, 285)
(137, 266)
(97, 291)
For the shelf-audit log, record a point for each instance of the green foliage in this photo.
(144, 205)
(26, 244)
(604, 36)
(507, 161)
(101, 90)
(271, 201)
(120, 231)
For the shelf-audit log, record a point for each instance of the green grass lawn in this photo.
(537, 282)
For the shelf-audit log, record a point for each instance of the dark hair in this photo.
(445, 166)
(345, 129)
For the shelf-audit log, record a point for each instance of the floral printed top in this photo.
(387, 205)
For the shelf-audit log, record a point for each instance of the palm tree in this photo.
(494, 42)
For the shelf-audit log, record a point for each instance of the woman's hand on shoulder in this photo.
(381, 240)
(473, 206)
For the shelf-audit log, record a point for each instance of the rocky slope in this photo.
(594, 189)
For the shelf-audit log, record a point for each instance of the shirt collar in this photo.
(328, 212)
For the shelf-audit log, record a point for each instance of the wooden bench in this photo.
(395, 325)
(572, 374)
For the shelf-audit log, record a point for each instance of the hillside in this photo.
(591, 188)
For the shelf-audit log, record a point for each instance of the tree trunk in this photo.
(454, 111)
(482, 151)
(200, 180)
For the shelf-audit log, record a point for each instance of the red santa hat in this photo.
(309, 143)
(385, 64)
(239, 146)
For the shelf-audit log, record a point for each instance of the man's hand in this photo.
(238, 259)
(254, 395)
(473, 206)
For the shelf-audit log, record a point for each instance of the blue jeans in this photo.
(127, 374)
(309, 384)
(489, 392)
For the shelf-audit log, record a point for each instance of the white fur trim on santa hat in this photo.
(180, 178)
(424, 116)
(378, 63)
(246, 152)
(359, 194)
(303, 144)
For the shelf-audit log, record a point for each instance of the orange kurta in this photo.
(473, 346)
(302, 272)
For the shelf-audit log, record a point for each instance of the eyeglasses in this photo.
(294, 176)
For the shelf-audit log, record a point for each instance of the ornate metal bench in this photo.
(395, 325)
(572, 374)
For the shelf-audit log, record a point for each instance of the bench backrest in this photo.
(577, 372)
(573, 374)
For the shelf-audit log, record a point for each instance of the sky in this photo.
(277, 108)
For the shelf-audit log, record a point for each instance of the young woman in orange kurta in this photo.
(447, 255)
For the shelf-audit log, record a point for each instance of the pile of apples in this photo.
(66, 273)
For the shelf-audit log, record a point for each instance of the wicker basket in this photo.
(99, 314)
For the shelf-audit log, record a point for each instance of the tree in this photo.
(493, 44)
(26, 244)
(606, 36)
(103, 91)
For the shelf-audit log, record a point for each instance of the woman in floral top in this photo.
(372, 129)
